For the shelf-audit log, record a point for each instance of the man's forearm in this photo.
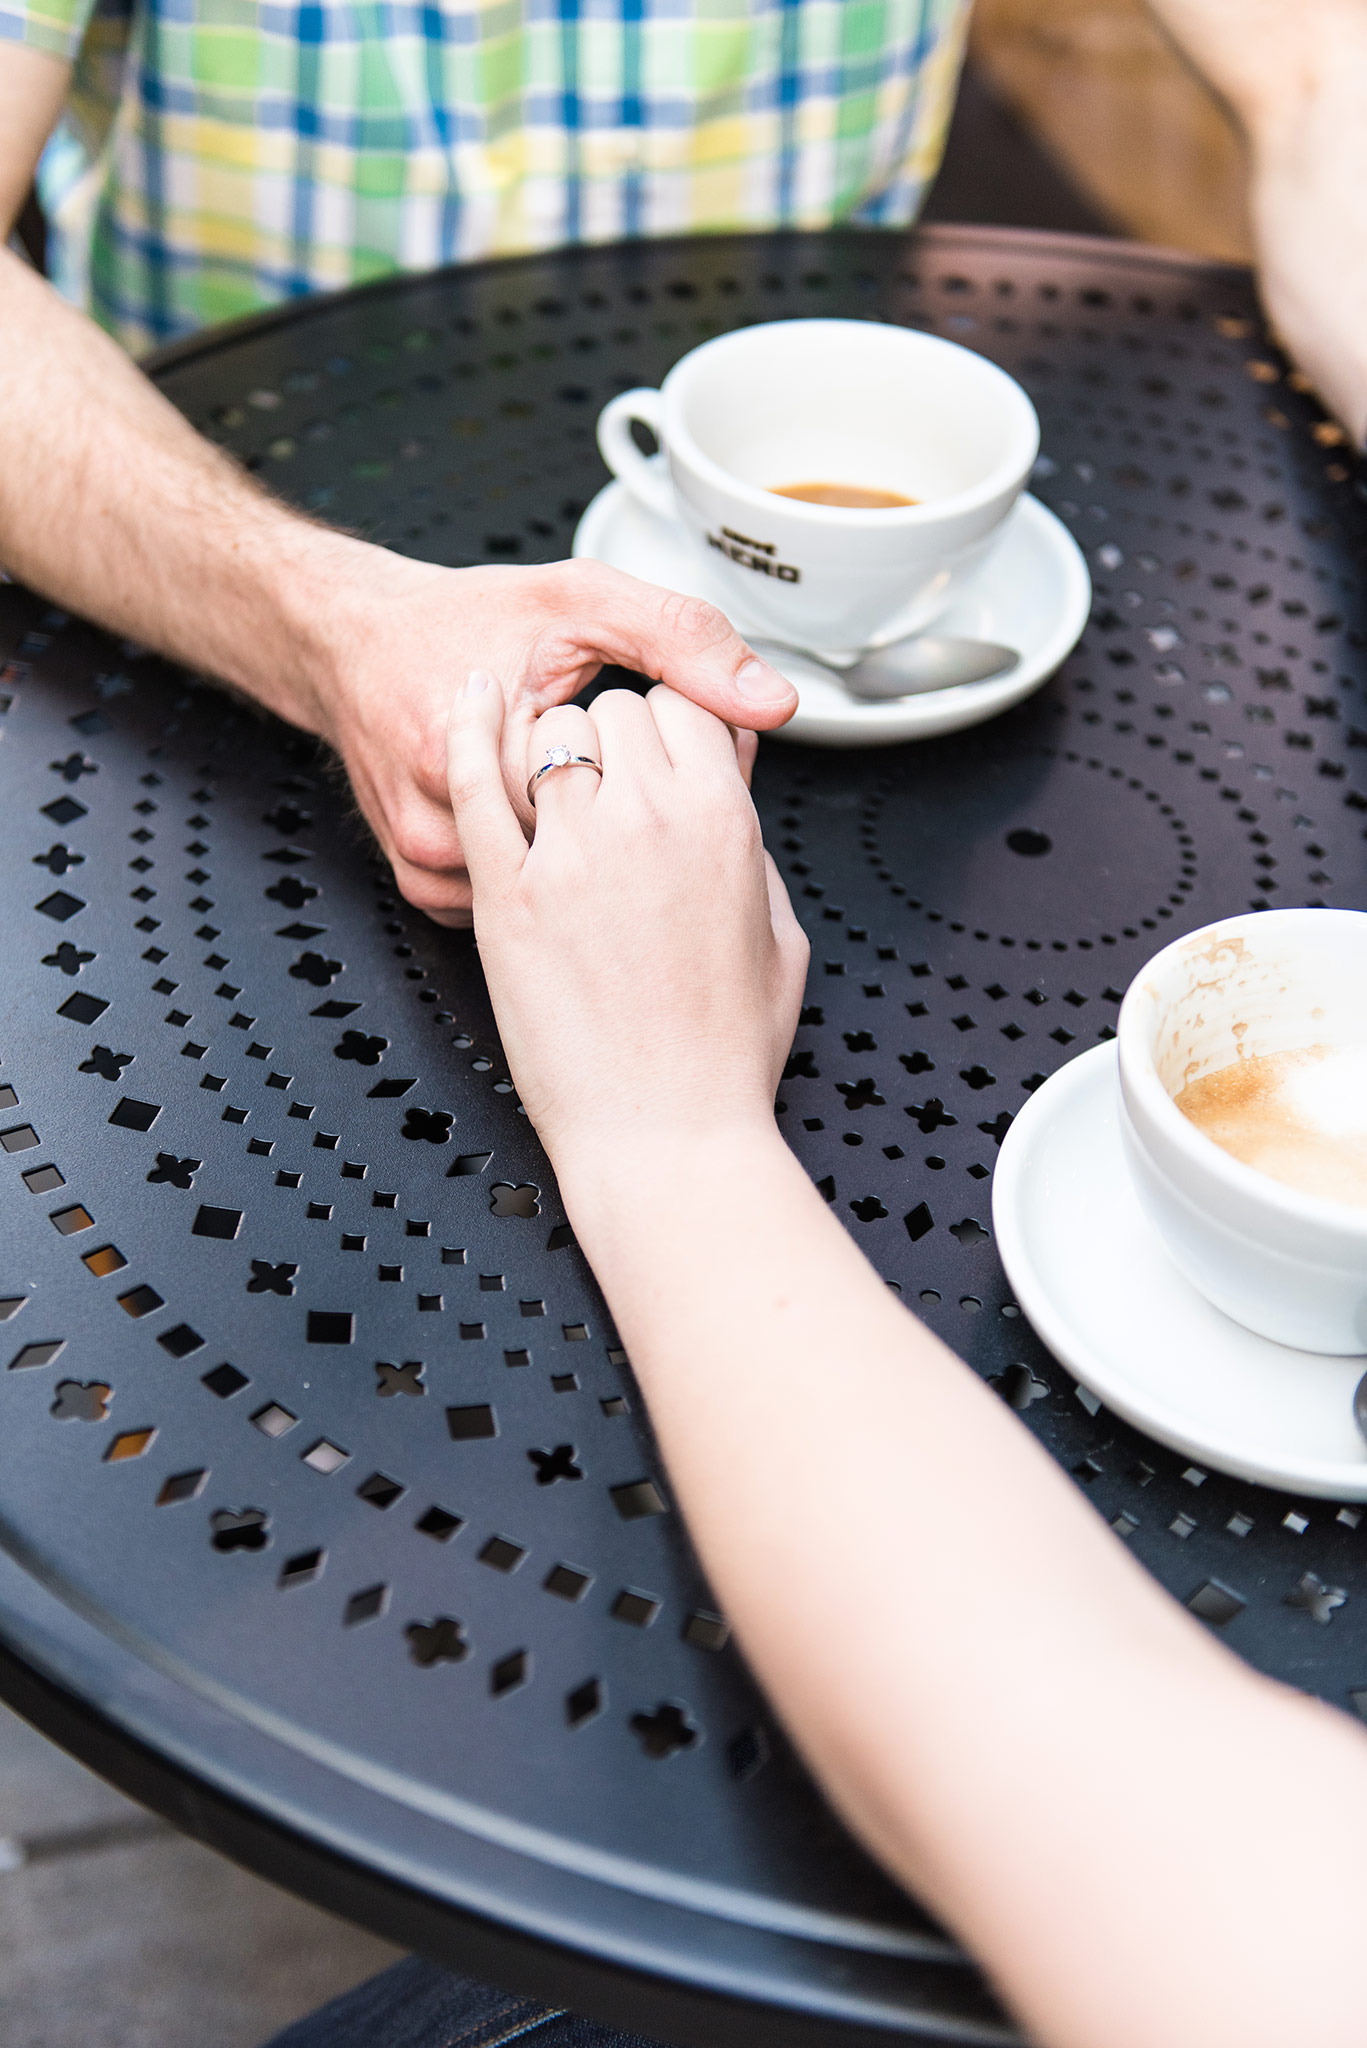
(1296, 77)
(111, 504)
(1268, 58)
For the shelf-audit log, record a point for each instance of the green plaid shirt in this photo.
(219, 155)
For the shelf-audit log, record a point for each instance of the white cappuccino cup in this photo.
(845, 402)
(1288, 1263)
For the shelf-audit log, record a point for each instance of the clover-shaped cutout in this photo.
(291, 892)
(288, 818)
(868, 1209)
(173, 1172)
(316, 968)
(269, 1279)
(436, 1642)
(507, 1200)
(434, 1125)
(665, 1730)
(76, 1402)
(399, 1379)
(58, 859)
(70, 959)
(859, 1094)
(556, 1464)
(931, 1115)
(109, 1065)
(239, 1528)
(1019, 1387)
(363, 1047)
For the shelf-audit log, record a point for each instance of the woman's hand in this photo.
(643, 958)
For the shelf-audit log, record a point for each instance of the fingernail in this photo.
(477, 680)
(760, 684)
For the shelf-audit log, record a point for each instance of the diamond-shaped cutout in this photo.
(181, 1342)
(473, 1422)
(380, 1490)
(273, 1420)
(182, 1486)
(637, 1499)
(584, 1702)
(326, 1457)
(139, 1301)
(300, 1570)
(364, 1606)
(105, 1260)
(37, 1354)
(225, 1380)
(509, 1673)
(439, 1523)
(132, 1115)
(212, 1222)
(567, 1582)
(130, 1444)
(639, 1609)
(69, 1221)
(502, 1554)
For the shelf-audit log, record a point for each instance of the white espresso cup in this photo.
(1290, 1265)
(850, 402)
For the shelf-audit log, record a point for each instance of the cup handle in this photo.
(645, 476)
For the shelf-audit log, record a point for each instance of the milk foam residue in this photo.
(1300, 1117)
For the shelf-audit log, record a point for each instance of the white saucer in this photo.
(1091, 1274)
(1032, 593)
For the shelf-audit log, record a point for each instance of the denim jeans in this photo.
(416, 2005)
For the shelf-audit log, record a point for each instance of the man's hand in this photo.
(112, 505)
(405, 637)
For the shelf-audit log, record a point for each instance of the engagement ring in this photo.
(560, 757)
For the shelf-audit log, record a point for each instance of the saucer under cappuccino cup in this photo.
(858, 404)
(1260, 997)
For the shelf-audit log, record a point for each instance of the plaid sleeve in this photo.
(56, 27)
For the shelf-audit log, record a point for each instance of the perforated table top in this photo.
(331, 1520)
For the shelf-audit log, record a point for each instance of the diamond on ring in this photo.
(558, 757)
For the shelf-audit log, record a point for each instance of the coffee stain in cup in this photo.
(1299, 1116)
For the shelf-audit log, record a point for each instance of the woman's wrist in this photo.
(611, 1179)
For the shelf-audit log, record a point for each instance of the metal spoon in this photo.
(1360, 1404)
(907, 668)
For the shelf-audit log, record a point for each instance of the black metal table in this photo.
(331, 1522)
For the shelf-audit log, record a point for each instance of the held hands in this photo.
(643, 958)
(406, 634)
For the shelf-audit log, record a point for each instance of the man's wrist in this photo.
(293, 659)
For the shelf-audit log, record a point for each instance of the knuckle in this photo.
(694, 622)
(424, 843)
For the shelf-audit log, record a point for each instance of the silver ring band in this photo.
(560, 757)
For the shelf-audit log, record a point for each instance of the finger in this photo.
(747, 747)
(490, 836)
(566, 794)
(694, 740)
(444, 895)
(782, 916)
(682, 641)
(630, 746)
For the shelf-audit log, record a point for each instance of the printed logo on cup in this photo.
(753, 554)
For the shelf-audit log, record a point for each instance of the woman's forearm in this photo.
(988, 1685)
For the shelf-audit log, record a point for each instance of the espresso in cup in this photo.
(855, 497)
(842, 478)
(1298, 1116)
